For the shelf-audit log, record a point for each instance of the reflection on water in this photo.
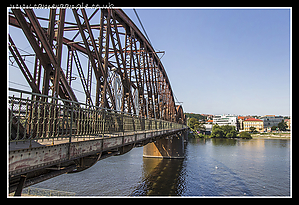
(211, 167)
(224, 142)
(161, 177)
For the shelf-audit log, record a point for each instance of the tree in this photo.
(232, 133)
(229, 131)
(273, 128)
(199, 127)
(224, 131)
(217, 132)
(252, 129)
(196, 116)
(282, 126)
(245, 135)
(194, 124)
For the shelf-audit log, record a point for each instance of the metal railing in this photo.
(34, 116)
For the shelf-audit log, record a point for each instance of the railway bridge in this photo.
(97, 88)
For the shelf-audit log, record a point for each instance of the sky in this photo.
(224, 61)
(219, 61)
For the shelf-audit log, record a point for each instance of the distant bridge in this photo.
(128, 98)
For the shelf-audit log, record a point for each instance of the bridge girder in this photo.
(125, 70)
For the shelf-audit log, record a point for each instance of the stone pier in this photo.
(169, 147)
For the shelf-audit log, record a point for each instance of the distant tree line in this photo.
(228, 131)
(225, 131)
(194, 124)
(196, 116)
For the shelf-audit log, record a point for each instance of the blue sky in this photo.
(222, 61)
(219, 61)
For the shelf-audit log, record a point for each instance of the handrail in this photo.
(34, 116)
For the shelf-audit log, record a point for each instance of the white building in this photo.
(225, 120)
(208, 127)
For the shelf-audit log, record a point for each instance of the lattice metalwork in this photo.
(106, 49)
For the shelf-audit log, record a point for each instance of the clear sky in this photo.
(224, 61)
(219, 61)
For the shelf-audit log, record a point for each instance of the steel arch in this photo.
(114, 48)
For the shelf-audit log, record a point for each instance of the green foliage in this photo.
(225, 131)
(252, 129)
(230, 135)
(245, 135)
(273, 128)
(196, 116)
(282, 126)
(217, 131)
(194, 134)
(194, 124)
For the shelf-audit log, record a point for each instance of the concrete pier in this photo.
(169, 147)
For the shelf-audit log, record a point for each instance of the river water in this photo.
(212, 167)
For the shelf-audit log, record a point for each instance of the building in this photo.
(253, 122)
(210, 121)
(271, 120)
(208, 130)
(226, 120)
(288, 122)
(240, 122)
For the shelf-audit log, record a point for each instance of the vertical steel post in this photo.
(59, 51)
(21, 184)
(10, 117)
(71, 130)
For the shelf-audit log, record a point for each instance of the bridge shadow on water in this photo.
(161, 177)
(200, 173)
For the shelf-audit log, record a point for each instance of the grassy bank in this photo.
(196, 135)
(271, 136)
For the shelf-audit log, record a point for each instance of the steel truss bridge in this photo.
(128, 100)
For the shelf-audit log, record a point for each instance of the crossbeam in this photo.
(115, 48)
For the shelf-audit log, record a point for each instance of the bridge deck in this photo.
(40, 155)
(50, 136)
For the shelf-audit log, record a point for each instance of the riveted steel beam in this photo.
(115, 49)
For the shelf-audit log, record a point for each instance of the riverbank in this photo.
(253, 135)
(196, 136)
(271, 136)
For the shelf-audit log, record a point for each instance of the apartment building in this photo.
(253, 122)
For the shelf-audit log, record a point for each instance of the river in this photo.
(212, 167)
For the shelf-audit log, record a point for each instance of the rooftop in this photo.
(253, 119)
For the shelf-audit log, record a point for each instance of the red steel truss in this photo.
(127, 71)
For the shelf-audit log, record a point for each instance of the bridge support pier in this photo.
(169, 147)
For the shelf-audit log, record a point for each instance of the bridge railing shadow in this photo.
(34, 116)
